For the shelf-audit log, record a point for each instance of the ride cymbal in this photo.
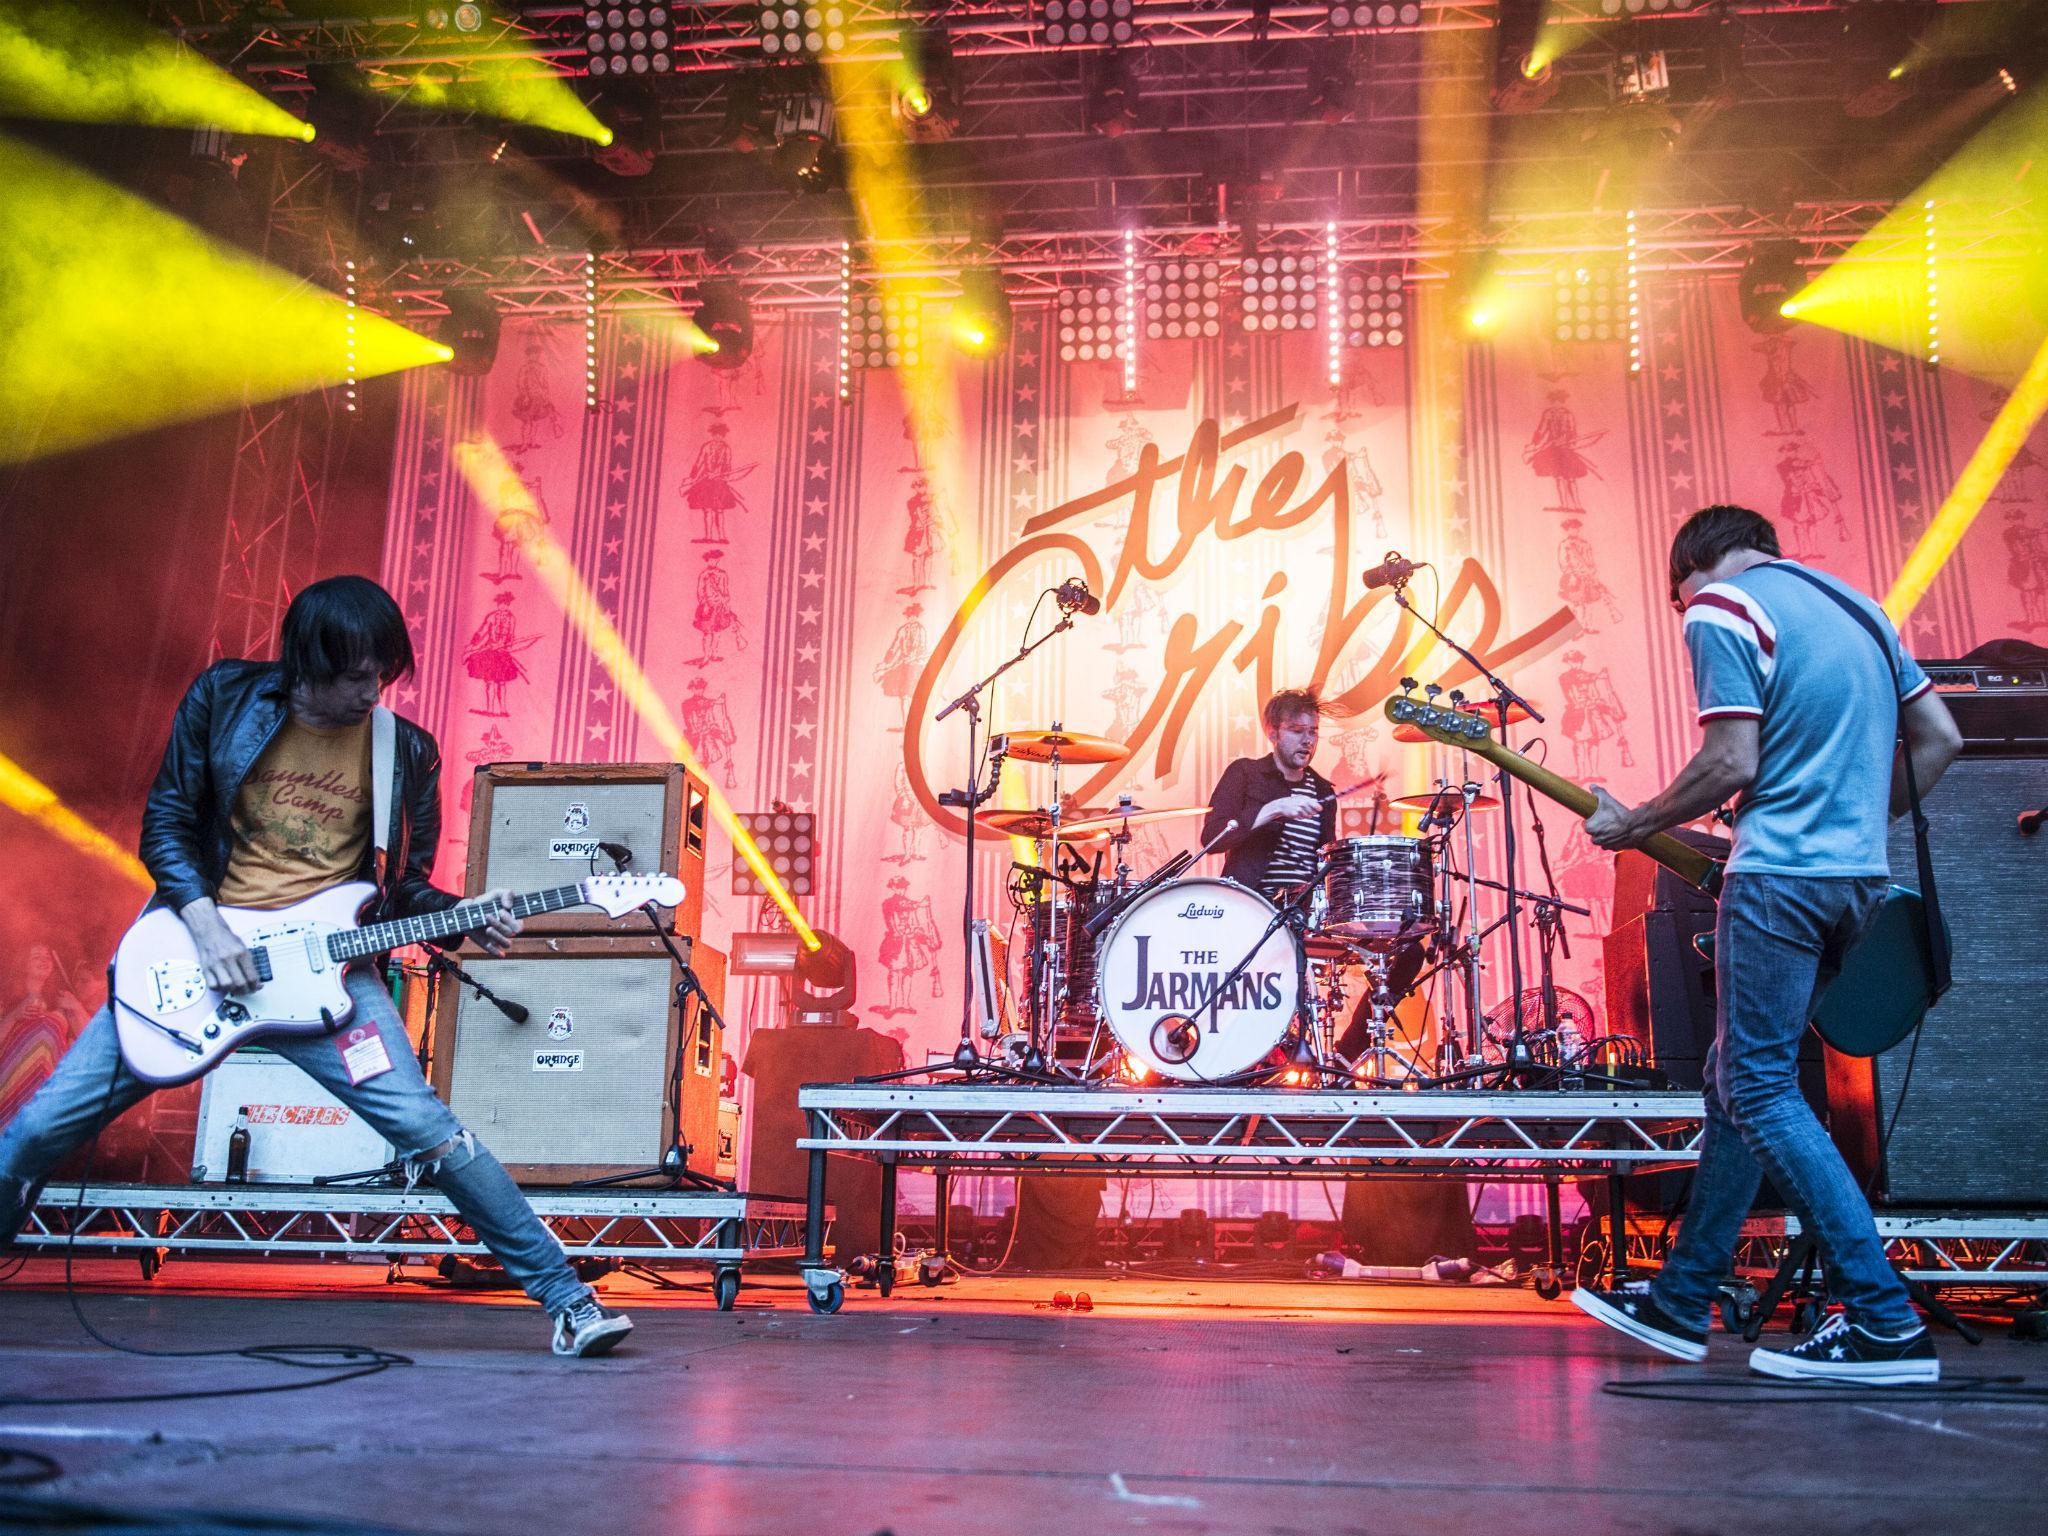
(1067, 746)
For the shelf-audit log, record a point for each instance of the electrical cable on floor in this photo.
(22, 1469)
(35, 1514)
(1749, 1389)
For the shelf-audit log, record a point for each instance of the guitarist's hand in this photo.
(225, 958)
(503, 927)
(1612, 824)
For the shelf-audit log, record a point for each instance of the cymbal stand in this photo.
(969, 800)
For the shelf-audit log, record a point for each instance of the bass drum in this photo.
(1160, 967)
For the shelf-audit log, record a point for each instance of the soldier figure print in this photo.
(1130, 440)
(1553, 452)
(1139, 603)
(910, 945)
(493, 748)
(897, 670)
(519, 524)
(714, 615)
(492, 657)
(2026, 567)
(708, 728)
(1578, 580)
(1593, 713)
(909, 819)
(1783, 388)
(711, 488)
(533, 400)
(1127, 697)
(1362, 486)
(1809, 496)
(922, 536)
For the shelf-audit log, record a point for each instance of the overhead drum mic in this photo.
(1073, 595)
(1391, 571)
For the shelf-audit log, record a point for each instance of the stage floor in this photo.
(1174, 1406)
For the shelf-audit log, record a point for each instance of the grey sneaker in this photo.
(1842, 1352)
(589, 1328)
(1632, 1310)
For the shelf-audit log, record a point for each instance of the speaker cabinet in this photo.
(600, 1076)
(1972, 1129)
(534, 826)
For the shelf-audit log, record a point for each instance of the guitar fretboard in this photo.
(463, 917)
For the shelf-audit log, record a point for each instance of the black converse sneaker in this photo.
(589, 1328)
(1841, 1351)
(1632, 1309)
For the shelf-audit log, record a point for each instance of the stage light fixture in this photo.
(1522, 77)
(1364, 16)
(1638, 7)
(1635, 299)
(628, 40)
(982, 314)
(792, 31)
(1085, 321)
(1333, 329)
(1589, 303)
(845, 320)
(885, 328)
(1933, 276)
(1087, 23)
(1279, 293)
(590, 330)
(1642, 76)
(1127, 317)
(1375, 309)
(1183, 299)
(1770, 279)
(468, 17)
(925, 97)
(726, 319)
(349, 345)
(806, 155)
(471, 331)
(1332, 94)
(1113, 107)
(788, 843)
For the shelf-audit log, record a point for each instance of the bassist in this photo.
(1800, 712)
(265, 798)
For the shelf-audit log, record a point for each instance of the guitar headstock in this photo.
(1452, 727)
(620, 894)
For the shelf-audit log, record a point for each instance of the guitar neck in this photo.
(463, 917)
(1689, 864)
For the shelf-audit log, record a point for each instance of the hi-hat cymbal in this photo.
(1116, 818)
(1067, 746)
(1486, 712)
(1449, 802)
(1038, 825)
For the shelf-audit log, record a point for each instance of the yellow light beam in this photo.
(514, 90)
(83, 63)
(22, 791)
(497, 485)
(2002, 442)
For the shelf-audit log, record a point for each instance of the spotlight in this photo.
(1364, 16)
(1770, 279)
(1183, 299)
(1077, 23)
(724, 317)
(469, 18)
(1332, 88)
(471, 331)
(926, 101)
(806, 156)
(1522, 78)
(1280, 293)
(981, 315)
(636, 137)
(749, 120)
(1588, 304)
(628, 40)
(1086, 322)
(792, 31)
(884, 329)
(1113, 108)
(1375, 309)
(787, 840)
(1643, 76)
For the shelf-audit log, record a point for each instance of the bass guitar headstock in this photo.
(1451, 726)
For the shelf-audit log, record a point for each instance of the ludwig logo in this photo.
(561, 1024)
(576, 818)
(558, 1061)
(1196, 909)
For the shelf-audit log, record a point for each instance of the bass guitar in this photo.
(173, 1026)
(1886, 984)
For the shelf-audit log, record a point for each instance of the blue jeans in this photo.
(1778, 941)
(92, 1085)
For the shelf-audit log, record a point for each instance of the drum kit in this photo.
(1200, 979)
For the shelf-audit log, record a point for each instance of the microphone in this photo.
(518, 1013)
(2030, 821)
(1074, 596)
(618, 853)
(1391, 571)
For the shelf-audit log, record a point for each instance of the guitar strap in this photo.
(383, 765)
(1938, 950)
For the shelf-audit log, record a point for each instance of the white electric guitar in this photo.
(173, 1026)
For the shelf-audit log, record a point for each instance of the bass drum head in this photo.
(1162, 964)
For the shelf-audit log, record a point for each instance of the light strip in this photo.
(1333, 303)
(1635, 302)
(349, 346)
(590, 330)
(1933, 286)
(39, 803)
(845, 319)
(1130, 312)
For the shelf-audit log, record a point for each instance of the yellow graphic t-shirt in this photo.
(302, 820)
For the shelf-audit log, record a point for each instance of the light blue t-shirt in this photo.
(1767, 646)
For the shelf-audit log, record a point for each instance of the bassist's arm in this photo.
(1934, 742)
(1723, 767)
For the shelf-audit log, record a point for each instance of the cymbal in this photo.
(1516, 714)
(1067, 746)
(1038, 825)
(1116, 818)
(1420, 804)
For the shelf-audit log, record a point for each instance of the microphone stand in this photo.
(965, 1057)
(439, 962)
(1504, 698)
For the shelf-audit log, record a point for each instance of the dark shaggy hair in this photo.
(339, 623)
(1713, 533)
(1288, 703)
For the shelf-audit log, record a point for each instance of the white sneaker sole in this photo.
(1869, 1373)
(1642, 1333)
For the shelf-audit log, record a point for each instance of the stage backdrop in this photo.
(805, 586)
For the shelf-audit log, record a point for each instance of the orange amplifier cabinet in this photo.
(533, 826)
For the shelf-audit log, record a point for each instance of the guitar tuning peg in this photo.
(1458, 698)
(1407, 685)
(1433, 689)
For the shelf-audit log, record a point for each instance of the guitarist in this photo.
(264, 798)
(1800, 712)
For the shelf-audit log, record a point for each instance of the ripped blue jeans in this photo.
(398, 1105)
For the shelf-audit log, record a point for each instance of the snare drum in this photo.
(1161, 965)
(1380, 891)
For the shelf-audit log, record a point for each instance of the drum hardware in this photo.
(1057, 745)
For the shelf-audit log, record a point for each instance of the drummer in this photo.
(1285, 811)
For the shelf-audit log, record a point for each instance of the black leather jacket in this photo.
(226, 719)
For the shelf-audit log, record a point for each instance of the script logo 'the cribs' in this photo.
(1208, 499)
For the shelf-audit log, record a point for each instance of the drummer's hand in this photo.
(1612, 824)
(1286, 808)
